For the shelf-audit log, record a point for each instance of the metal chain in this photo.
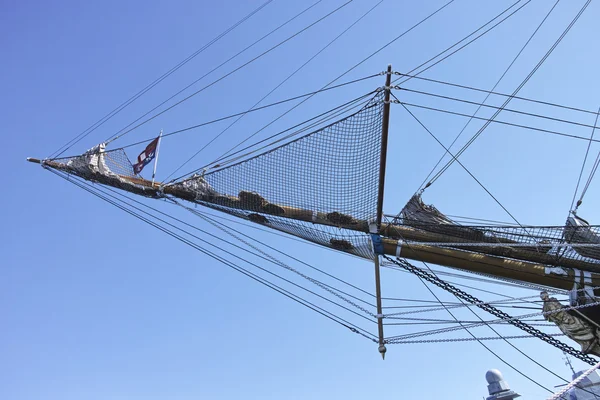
(492, 310)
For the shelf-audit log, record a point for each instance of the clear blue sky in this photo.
(95, 304)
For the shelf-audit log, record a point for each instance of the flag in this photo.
(146, 156)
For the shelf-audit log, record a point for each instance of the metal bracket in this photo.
(377, 243)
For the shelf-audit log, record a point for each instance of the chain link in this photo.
(493, 310)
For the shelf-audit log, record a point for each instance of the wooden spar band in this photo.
(532, 269)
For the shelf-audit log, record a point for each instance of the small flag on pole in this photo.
(146, 156)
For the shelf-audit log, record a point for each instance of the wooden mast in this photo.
(385, 123)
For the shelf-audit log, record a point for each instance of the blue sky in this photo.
(97, 305)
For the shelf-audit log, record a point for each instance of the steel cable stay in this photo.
(464, 297)
(128, 208)
(510, 110)
(553, 132)
(463, 327)
(338, 77)
(280, 263)
(271, 92)
(214, 121)
(526, 99)
(231, 230)
(459, 305)
(454, 158)
(271, 259)
(468, 339)
(316, 123)
(151, 85)
(592, 172)
(508, 99)
(129, 129)
(452, 52)
(514, 321)
(434, 279)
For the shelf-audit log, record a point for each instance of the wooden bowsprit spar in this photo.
(403, 241)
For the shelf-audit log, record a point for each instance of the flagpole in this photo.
(156, 158)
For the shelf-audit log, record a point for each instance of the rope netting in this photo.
(111, 168)
(312, 187)
(577, 240)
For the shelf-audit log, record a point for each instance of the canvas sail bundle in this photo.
(111, 168)
(552, 245)
(578, 231)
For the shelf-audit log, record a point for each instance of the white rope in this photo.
(559, 395)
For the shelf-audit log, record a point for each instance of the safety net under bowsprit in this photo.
(322, 187)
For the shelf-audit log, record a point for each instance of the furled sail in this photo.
(578, 232)
(111, 168)
(550, 245)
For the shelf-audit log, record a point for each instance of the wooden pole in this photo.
(156, 158)
(384, 140)
(385, 123)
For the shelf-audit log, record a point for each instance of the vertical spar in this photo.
(375, 231)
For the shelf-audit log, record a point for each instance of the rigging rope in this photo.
(409, 77)
(498, 122)
(332, 81)
(481, 104)
(315, 121)
(492, 310)
(527, 78)
(454, 158)
(335, 109)
(268, 94)
(527, 99)
(136, 96)
(287, 267)
(592, 172)
(122, 133)
(115, 201)
(449, 340)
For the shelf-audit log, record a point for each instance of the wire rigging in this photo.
(122, 133)
(328, 84)
(268, 94)
(592, 172)
(529, 127)
(258, 109)
(462, 40)
(527, 99)
(139, 94)
(463, 166)
(334, 114)
(508, 99)
(472, 334)
(115, 201)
